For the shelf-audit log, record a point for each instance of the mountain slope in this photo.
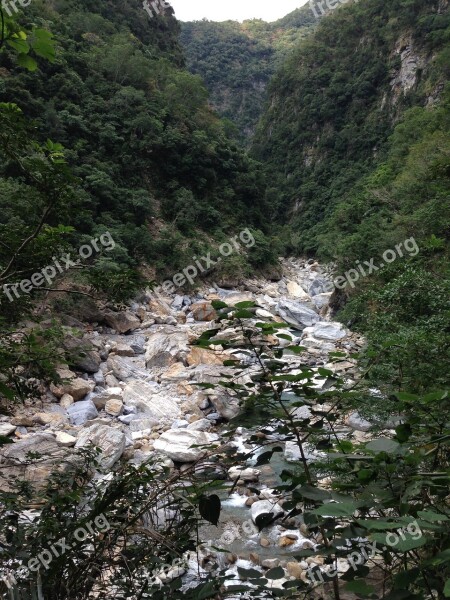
(154, 164)
(237, 60)
(356, 140)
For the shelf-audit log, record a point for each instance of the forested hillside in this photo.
(271, 421)
(356, 140)
(152, 163)
(237, 60)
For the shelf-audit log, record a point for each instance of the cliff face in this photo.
(336, 100)
(237, 61)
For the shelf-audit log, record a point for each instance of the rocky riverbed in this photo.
(132, 393)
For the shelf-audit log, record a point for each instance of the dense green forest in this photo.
(237, 60)
(151, 162)
(276, 426)
(356, 140)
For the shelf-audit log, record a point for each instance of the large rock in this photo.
(16, 463)
(203, 311)
(327, 331)
(320, 286)
(101, 399)
(295, 290)
(292, 453)
(71, 384)
(358, 423)
(145, 398)
(122, 322)
(166, 347)
(81, 354)
(7, 429)
(110, 441)
(266, 508)
(114, 407)
(123, 369)
(297, 314)
(81, 412)
(225, 404)
(322, 300)
(53, 419)
(178, 444)
(176, 373)
(201, 356)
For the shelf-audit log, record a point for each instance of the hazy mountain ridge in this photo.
(237, 60)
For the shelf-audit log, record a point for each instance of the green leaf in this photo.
(383, 445)
(205, 591)
(25, 61)
(406, 578)
(264, 520)
(264, 458)
(276, 573)
(403, 432)
(447, 589)
(249, 573)
(210, 507)
(284, 336)
(359, 587)
(313, 493)
(5, 391)
(246, 304)
(43, 44)
(379, 525)
(407, 397)
(432, 517)
(19, 45)
(5, 440)
(296, 349)
(435, 397)
(335, 509)
(396, 543)
(218, 304)
(243, 314)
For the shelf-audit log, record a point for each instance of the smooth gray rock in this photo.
(177, 303)
(137, 424)
(145, 397)
(83, 411)
(265, 507)
(200, 425)
(111, 442)
(327, 331)
(81, 355)
(358, 423)
(122, 322)
(297, 314)
(178, 444)
(99, 378)
(166, 347)
(15, 463)
(320, 286)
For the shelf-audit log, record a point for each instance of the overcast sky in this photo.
(237, 10)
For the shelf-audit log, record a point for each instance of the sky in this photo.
(237, 10)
